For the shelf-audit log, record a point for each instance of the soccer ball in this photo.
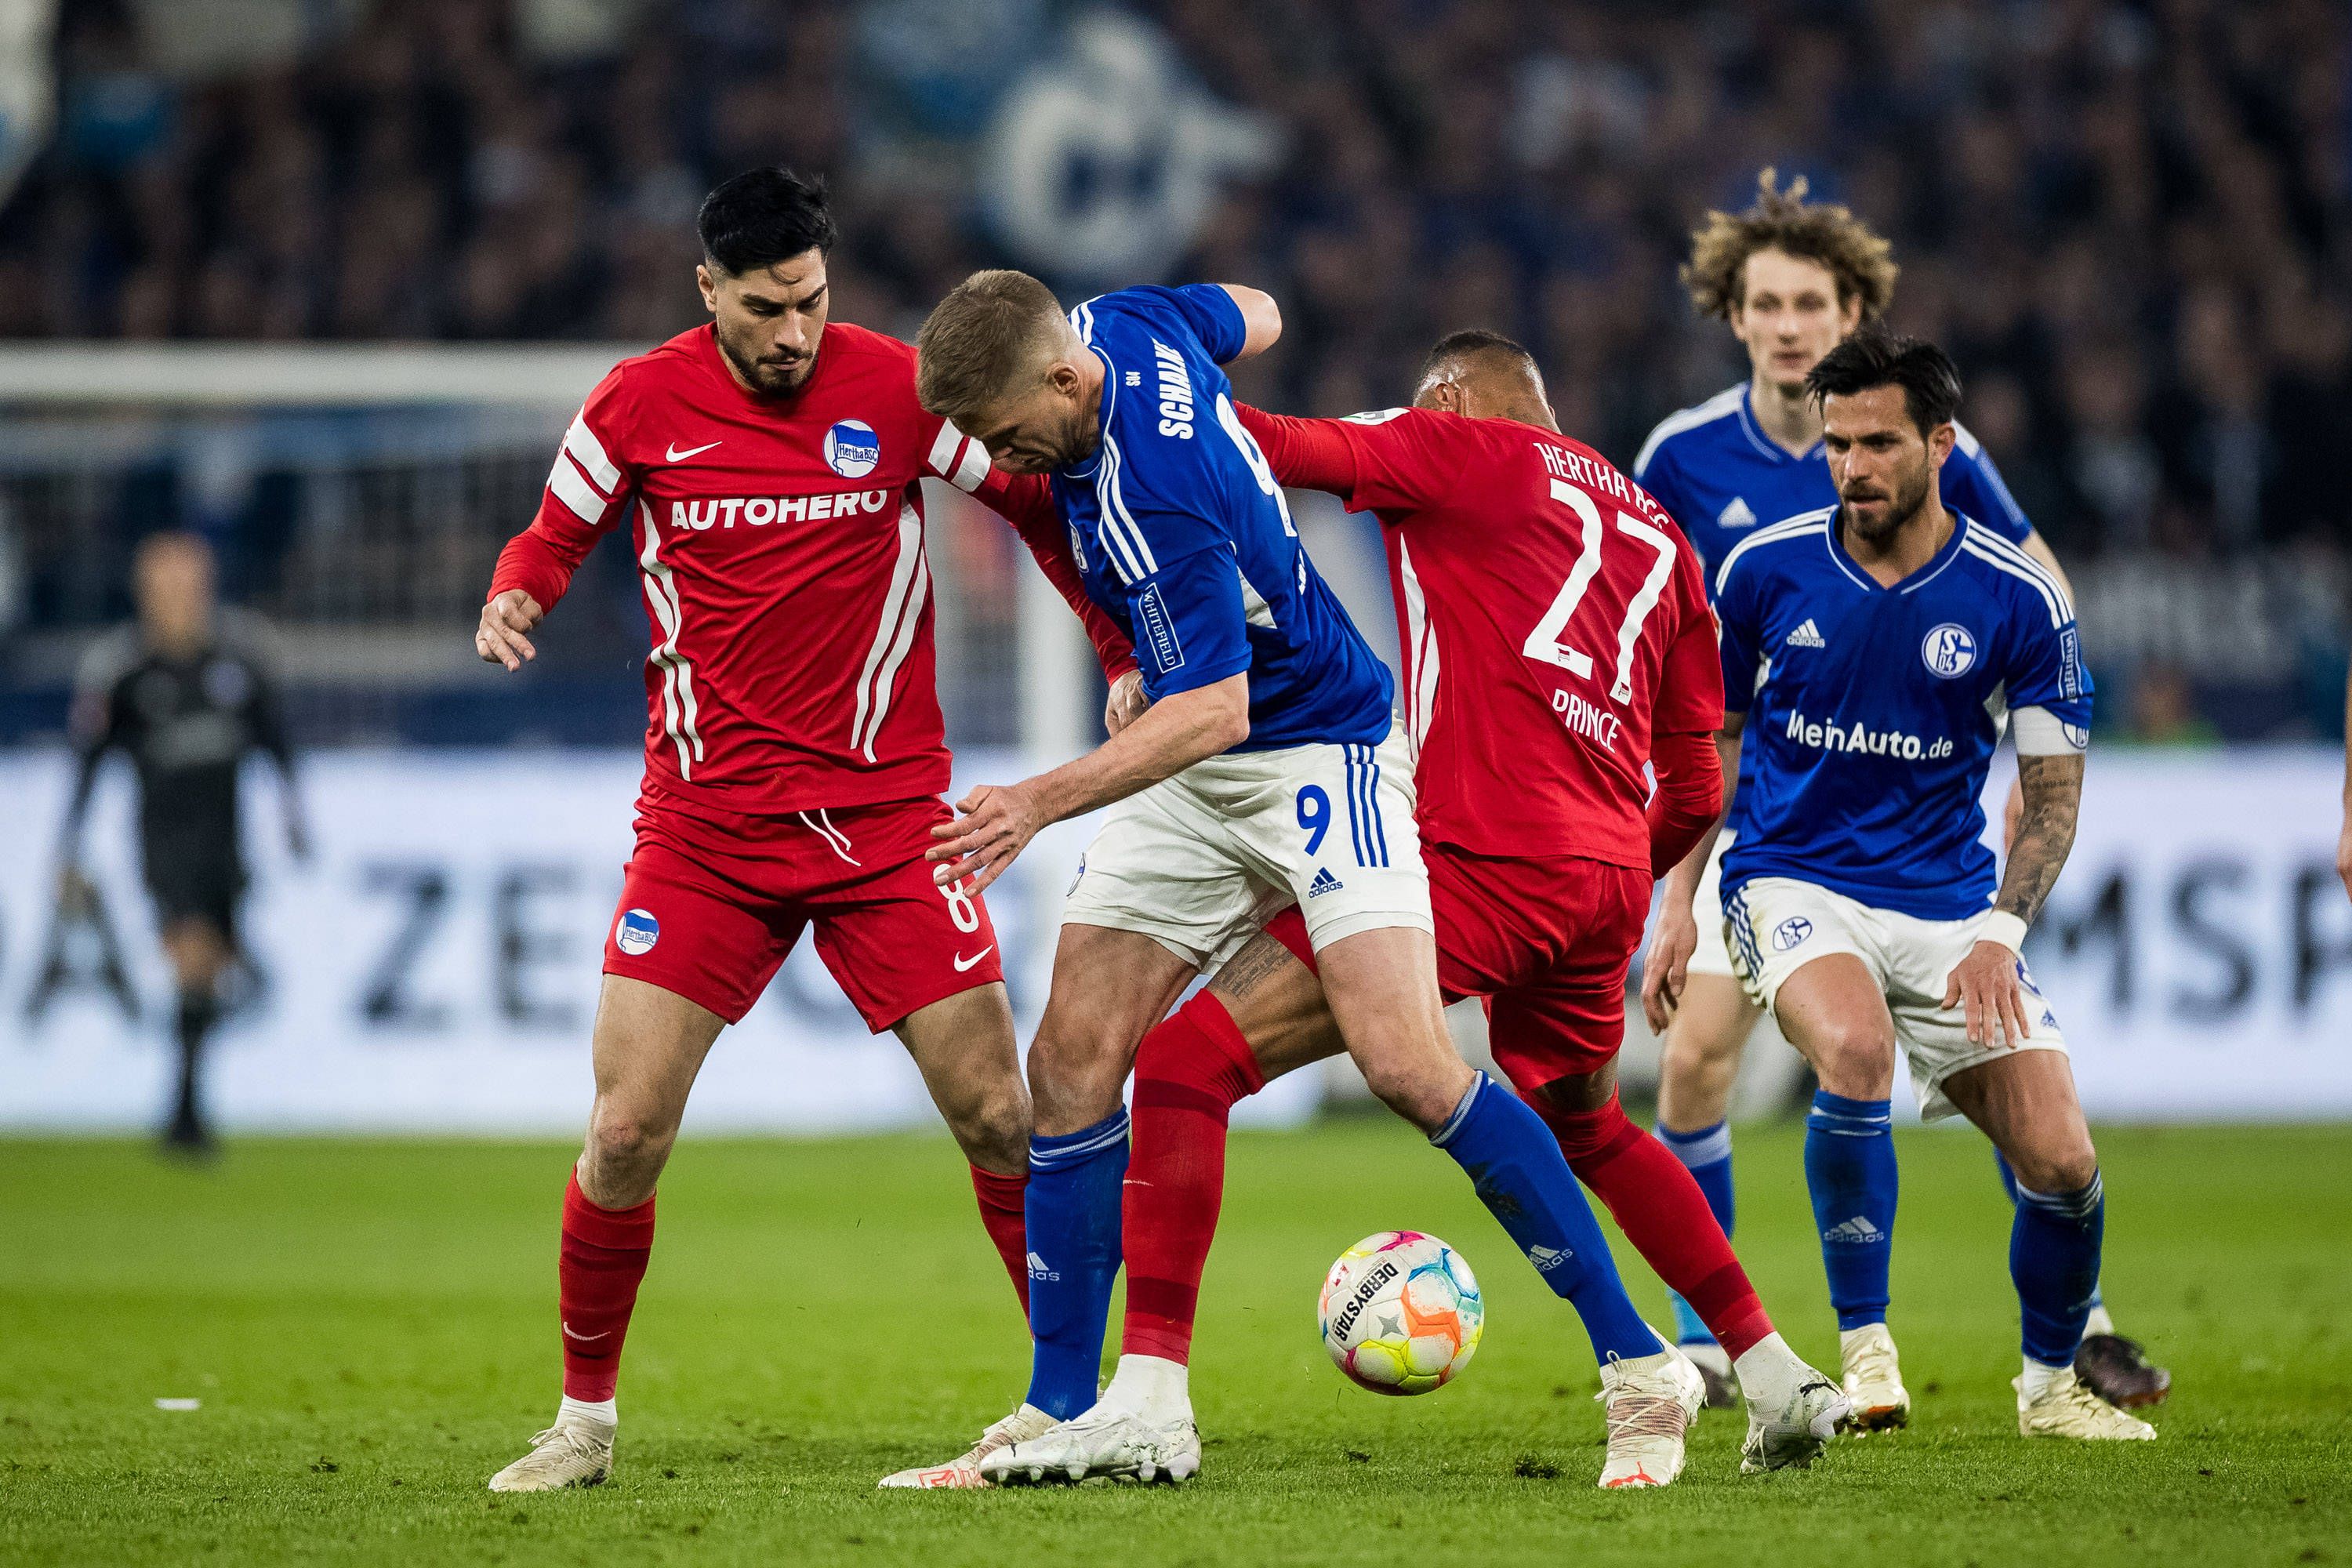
(1401, 1313)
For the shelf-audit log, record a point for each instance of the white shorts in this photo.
(1200, 862)
(1778, 925)
(1713, 954)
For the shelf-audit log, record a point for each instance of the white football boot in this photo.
(1648, 1411)
(1793, 1437)
(2066, 1408)
(962, 1472)
(1108, 1440)
(1874, 1379)
(575, 1452)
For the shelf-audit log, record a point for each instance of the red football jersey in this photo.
(1553, 619)
(780, 545)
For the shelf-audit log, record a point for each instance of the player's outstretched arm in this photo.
(1984, 986)
(1666, 966)
(998, 821)
(1261, 319)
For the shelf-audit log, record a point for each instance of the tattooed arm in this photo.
(2051, 792)
(1987, 985)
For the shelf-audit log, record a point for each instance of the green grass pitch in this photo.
(370, 1328)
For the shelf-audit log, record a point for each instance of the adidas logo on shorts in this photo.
(1807, 636)
(1324, 882)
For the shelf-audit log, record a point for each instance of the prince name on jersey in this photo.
(1184, 538)
(1873, 711)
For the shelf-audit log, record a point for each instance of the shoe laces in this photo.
(1633, 1415)
(1876, 1363)
(572, 1440)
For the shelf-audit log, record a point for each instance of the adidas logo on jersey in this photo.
(1324, 882)
(1807, 636)
(1547, 1258)
(1856, 1232)
(1736, 515)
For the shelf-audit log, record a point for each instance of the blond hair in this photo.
(1825, 232)
(976, 342)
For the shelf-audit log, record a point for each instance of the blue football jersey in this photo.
(1185, 539)
(1872, 711)
(1719, 475)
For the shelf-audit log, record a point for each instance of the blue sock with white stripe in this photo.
(2009, 1185)
(1850, 1171)
(1707, 1156)
(2054, 1260)
(1523, 1179)
(1072, 1213)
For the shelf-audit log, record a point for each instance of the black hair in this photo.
(1471, 343)
(762, 216)
(1875, 357)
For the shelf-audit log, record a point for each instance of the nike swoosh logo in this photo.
(678, 457)
(585, 1338)
(963, 964)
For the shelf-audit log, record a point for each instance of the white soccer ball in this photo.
(1401, 1313)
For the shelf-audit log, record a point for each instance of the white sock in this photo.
(1149, 1384)
(2039, 1376)
(1771, 1373)
(2099, 1322)
(597, 1412)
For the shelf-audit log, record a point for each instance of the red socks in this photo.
(1002, 1200)
(1188, 1074)
(1663, 1213)
(597, 1274)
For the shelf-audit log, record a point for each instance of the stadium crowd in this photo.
(2131, 220)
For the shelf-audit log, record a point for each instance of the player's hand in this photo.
(2010, 815)
(1985, 988)
(499, 638)
(1665, 968)
(996, 824)
(1125, 703)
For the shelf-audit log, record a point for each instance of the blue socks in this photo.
(1073, 1219)
(1707, 1156)
(1515, 1163)
(2009, 1185)
(2053, 1259)
(1850, 1171)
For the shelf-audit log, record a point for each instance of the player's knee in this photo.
(1857, 1060)
(993, 1124)
(620, 1142)
(1075, 1074)
(1424, 1093)
(2066, 1167)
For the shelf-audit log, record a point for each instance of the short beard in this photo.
(1898, 513)
(764, 381)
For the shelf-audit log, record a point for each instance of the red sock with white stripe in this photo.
(1188, 1075)
(1002, 1204)
(601, 1265)
(1657, 1204)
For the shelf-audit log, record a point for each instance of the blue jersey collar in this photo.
(1760, 441)
(1835, 536)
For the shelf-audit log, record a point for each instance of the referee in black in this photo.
(186, 693)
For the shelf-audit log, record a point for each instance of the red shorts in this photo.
(714, 900)
(1546, 943)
